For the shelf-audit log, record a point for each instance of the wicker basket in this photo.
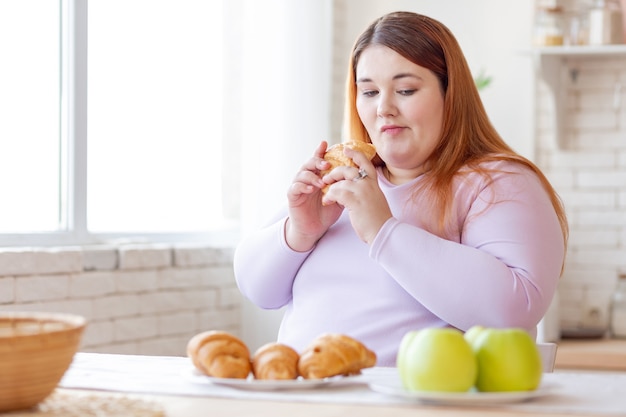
(35, 351)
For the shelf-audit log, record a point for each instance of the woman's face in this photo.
(401, 106)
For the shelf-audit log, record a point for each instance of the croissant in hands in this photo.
(336, 157)
(219, 354)
(275, 361)
(334, 354)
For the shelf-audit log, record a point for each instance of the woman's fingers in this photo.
(308, 175)
(364, 166)
(359, 158)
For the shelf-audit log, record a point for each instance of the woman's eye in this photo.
(406, 92)
(369, 93)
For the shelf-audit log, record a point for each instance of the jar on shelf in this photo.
(618, 309)
(548, 27)
(605, 23)
(576, 27)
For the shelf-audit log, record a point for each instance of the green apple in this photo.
(472, 333)
(508, 359)
(436, 359)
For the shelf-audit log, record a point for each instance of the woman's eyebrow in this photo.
(406, 75)
(395, 77)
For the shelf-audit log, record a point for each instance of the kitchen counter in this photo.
(172, 384)
(593, 354)
(195, 406)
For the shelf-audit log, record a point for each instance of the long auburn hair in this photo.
(467, 138)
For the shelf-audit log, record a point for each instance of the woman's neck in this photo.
(400, 176)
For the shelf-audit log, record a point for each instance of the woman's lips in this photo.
(391, 129)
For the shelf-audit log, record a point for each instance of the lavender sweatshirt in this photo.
(500, 267)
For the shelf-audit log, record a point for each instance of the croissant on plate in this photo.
(336, 157)
(219, 354)
(275, 361)
(333, 354)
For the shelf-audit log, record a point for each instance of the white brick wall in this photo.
(138, 299)
(588, 169)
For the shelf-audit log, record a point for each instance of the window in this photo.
(114, 123)
(29, 115)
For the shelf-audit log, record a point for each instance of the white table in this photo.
(170, 381)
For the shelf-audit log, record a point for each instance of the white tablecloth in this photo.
(600, 393)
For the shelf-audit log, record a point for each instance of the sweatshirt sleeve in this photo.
(504, 270)
(265, 266)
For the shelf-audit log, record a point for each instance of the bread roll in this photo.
(219, 354)
(275, 361)
(336, 157)
(334, 354)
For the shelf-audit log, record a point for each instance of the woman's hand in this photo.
(308, 218)
(361, 196)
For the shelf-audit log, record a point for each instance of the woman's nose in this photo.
(386, 106)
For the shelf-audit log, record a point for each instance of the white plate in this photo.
(459, 398)
(252, 384)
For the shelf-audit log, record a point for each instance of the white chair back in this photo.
(548, 355)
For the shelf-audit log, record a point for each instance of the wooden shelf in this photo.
(585, 50)
(553, 65)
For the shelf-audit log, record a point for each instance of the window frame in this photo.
(73, 159)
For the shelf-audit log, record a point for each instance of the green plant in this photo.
(482, 80)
